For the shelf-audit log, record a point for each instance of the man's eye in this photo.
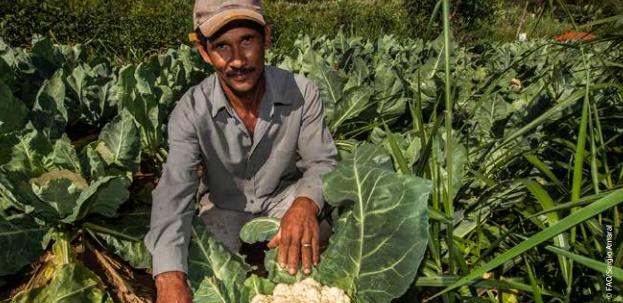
(247, 40)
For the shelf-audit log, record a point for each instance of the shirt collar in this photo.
(275, 93)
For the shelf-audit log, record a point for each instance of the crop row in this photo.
(528, 151)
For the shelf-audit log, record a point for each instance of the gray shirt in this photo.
(291, 146)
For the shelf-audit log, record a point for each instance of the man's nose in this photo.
(238, 58)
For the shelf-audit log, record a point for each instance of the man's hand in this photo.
(172, 288)
(298, 235)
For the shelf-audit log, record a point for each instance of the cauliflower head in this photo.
(306, 291)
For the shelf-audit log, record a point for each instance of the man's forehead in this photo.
(237, 28)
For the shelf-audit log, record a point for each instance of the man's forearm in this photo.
(306, 202)
(173, 198)
(172, 287)
(170, 278)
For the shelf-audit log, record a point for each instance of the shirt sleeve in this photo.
(172, 209)
(315, 147)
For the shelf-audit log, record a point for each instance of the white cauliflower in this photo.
(306, 291)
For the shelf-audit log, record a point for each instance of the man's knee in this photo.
(224, 224)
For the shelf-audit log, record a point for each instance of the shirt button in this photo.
(252, 201)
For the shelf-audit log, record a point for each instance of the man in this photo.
(259, 133)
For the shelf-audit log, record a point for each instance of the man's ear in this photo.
(268, 36)
(203, 52)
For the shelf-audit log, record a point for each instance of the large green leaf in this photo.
(493, 109)
(59, 189)
(259, 229)
(215, 274)
(13, 112)
(255, 285)
(329, 84)
(378, 246)
(20, 239)
(92, 163)
(104, 196)
(15, 187)
(71, 283)
(389, 91)
(7, 141)
(29, 154)
(124, 235)
(358, 75)
(120, 142)
(139, 95)
(63, 156)
(91, 90)
(350, 106)
(49, 114)
(7, 76)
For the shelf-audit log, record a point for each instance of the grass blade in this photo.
(574, 219)
(448, 206)
(534, 160)
(444, 281)
(536, 291)
(552, 217)
(403, 165)
(601, 267)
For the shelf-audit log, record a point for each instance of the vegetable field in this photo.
(481, 174)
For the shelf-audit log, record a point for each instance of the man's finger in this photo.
(315, 242)
(306, 250)
(284, 245)
(274, 242)
(294, 252)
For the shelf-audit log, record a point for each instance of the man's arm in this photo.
(315, 147)
(172, 200)
(299, 232)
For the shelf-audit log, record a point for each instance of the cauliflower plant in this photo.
(306, 291)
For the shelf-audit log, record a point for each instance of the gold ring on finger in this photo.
(306, 245)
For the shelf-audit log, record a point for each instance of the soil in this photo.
(16, 282)
(140, 281)
(254, 255)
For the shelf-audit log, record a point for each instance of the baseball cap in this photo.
(210, 15)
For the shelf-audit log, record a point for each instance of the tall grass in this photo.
(578, 187)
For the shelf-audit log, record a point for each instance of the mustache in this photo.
(237, 71)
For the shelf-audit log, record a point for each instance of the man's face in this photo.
(238, 58)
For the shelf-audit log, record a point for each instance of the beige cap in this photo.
(210, 15)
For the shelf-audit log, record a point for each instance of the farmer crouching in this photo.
(260, 135)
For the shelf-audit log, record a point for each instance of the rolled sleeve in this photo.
(315, 147)
(172, 200)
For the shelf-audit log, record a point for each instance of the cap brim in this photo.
(214, 23)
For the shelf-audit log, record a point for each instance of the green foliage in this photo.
(498, 154)
(53, 189)
(216, 275)
(510, 103)
(367, 247)
(129, 29)
(22, 235)
(368, 19)
(123, 235)
(71, 283)
(378, 246)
